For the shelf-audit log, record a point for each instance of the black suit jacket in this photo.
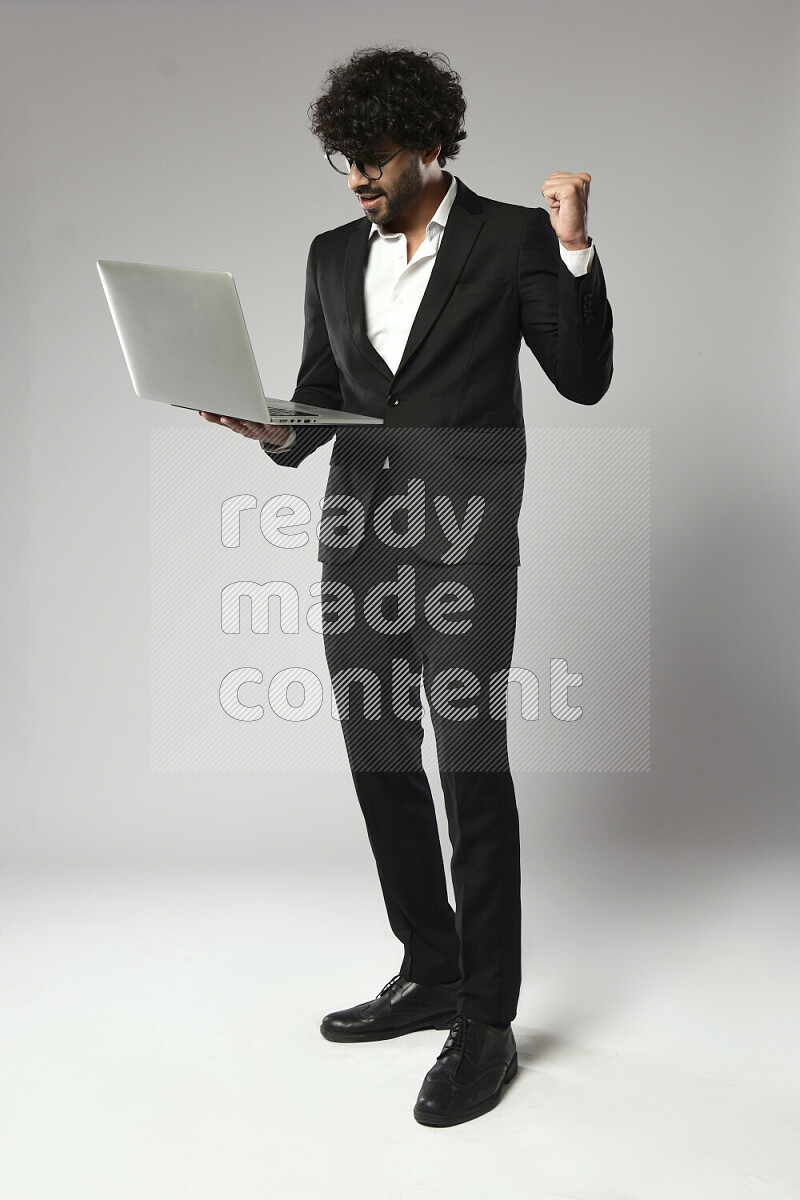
(453, 409)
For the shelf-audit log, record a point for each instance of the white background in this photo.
(163, 1025)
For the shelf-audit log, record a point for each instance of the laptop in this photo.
(185, 343)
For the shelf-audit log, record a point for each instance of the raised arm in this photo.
(566, 320)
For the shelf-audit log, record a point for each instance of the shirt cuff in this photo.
(577, 261)
(287, 445)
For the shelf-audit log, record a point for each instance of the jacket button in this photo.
(394, 401)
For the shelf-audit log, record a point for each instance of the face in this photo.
(401, 182)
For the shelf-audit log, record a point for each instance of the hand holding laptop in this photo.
(276, 434)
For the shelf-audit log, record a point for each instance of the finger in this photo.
(561, 177)
(562, 187)
(231, 423)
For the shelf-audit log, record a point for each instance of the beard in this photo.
(405, 189)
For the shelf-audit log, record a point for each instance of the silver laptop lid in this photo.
(184, 337)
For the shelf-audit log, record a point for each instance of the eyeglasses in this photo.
(366, 166)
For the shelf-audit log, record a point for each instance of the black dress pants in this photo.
(390, 621)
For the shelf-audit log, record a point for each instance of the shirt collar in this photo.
(439, 217)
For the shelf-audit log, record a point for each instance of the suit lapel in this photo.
(354, 295)
(462, 228)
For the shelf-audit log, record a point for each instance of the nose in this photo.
(357, 178)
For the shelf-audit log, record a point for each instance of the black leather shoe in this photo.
(401, 1006)
(468, 1077)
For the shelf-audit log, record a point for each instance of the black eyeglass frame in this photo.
(379, 163)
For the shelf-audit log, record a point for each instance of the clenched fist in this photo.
(277, 434)
(567, 193)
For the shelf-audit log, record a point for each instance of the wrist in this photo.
(270, 442)
(580, 244)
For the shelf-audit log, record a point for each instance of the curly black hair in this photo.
(413, 97)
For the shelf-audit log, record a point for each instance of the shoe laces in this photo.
(388, 986)
(456, 1038)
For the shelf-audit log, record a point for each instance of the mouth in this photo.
(369, 201)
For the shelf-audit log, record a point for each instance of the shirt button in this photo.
(399, 299)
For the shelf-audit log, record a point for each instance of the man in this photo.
(415, 312)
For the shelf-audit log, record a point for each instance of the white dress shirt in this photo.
(394, 287)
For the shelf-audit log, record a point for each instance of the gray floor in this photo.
(159, 1036)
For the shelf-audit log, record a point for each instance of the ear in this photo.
(431, 155)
